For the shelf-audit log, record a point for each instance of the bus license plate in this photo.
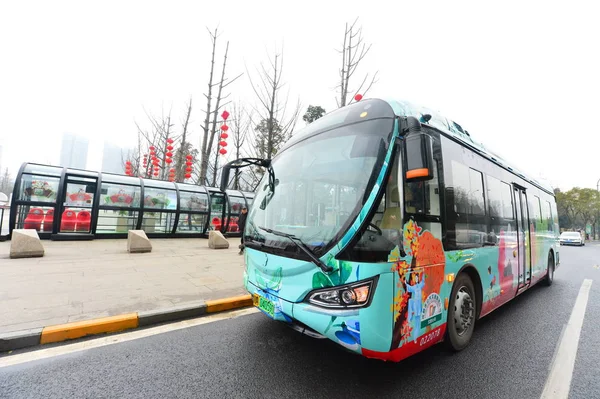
(264, 304)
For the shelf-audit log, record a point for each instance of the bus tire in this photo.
(462, 313)
(550, 275)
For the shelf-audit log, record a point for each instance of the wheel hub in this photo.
(464, 311)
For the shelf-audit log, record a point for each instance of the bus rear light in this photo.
(347, 296)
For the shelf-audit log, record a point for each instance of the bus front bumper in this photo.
(368, 328)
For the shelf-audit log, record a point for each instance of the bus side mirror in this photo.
(418, 154)
(225, 176)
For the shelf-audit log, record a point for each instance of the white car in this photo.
(571, 238)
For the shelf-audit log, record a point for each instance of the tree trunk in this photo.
(205, 148)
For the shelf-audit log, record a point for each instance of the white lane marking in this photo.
(558, 383)
(123, 337)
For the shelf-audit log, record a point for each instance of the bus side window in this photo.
(466, 219)
(423, 198)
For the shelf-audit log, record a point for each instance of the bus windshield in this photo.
(320, 186)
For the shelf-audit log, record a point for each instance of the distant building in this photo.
(74, 151)
(112, 158)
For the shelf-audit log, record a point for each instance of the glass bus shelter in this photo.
(63, 203)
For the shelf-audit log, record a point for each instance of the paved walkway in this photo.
(77, 281)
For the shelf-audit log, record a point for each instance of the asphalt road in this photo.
(252, 357)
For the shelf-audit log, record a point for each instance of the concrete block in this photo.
(138, 242)
(216, 240)
(25, 243)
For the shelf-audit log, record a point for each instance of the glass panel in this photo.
(42, 169)
(193, 201)
(423, 197)
(116, 221)
(216, 210)
(38, 188)
(120, 195)
(79, 172)
(38, 218)
(158, 198)
(468, 190)
(385, 228)
(494, 189)
(75, 219)
(462, 187)
(109, 178)
(158, 222)
(80, 194)
(159, 184)
(507, 205)
(4, 220)
(191, 187)
(347, 156)
(476, 194)
(236, 204)
(192, 223)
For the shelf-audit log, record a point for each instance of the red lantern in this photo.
(168, 160)
(223, 151)
(188, 156)
(223, 144)
(224, 135)
(127, 162)
(225, 115)
(358, 97)
(187, 175)
(152, 148)
(170, 140)
(169, 154)
(224, 128)
(188, 169)
(188, 163)
(170, 147)
(172, 170)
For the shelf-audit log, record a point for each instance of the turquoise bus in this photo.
(385, 227)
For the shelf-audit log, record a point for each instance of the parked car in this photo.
(571, 238)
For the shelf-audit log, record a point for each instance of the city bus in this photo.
(384, 227)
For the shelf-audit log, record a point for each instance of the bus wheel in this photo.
(461, 313)
(550, 275)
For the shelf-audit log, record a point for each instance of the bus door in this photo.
(523, 245)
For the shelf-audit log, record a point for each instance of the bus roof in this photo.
(453, 129)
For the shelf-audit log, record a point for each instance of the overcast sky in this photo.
(518, 75)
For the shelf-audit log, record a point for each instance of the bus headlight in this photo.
(353, 295)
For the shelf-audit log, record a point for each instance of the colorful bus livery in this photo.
(384, 227)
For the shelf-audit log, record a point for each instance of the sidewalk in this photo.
(77, 281)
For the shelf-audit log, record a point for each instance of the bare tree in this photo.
(6, 183)
(241, 122)
(275, 121)
(185, 147)
(354, 50)
(211, 112)
(161, 130)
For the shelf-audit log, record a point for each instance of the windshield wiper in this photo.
(298, 242)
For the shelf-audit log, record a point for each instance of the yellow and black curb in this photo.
(63, 332)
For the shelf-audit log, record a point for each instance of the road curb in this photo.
(63, 332)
